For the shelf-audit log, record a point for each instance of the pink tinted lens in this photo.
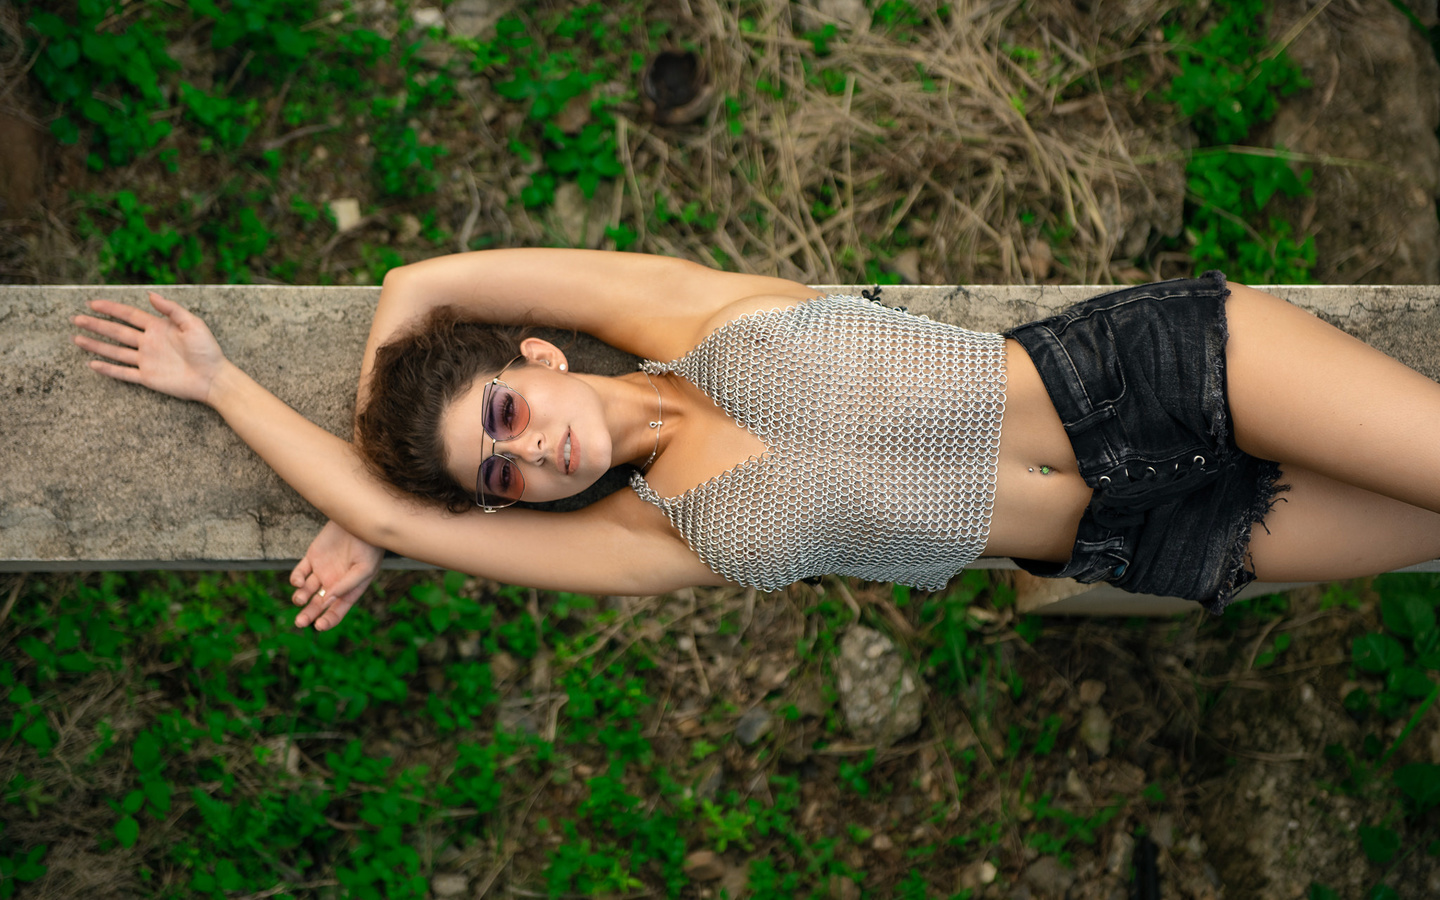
(500, 479)
(506, 414)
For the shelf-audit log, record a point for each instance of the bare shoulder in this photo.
(721, 297)
(745, 306)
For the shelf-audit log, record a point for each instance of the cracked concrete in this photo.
(95, 474)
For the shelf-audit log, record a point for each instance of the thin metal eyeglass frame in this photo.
(479, 471)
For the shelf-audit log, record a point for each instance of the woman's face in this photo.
(564, 448)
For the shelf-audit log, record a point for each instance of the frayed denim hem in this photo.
(1239, 572)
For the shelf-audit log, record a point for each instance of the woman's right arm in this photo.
(652, 306)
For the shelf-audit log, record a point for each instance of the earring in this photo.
(563, 367)
(547, 362)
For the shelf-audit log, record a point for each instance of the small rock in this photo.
(1122, 852)
(734, 882)
(753, 725)
(284, 754)
(574, 115)
(1048, 876)
(1193, 846)
(502, 665)
(1075, 786)
(519, 721)
(1040, 259)
(842, 888)
(580, 220)
(882, 843)
(879, 696)
(817, 13)
(540, 672)
(471, 18)
(704, 865)
(773, 674)
(427, 17)
(1163, 831)
(1095, 731)
(1091, 691)
(689, 727)
(468, 647)
(435, 652)
(449, 855)
(987, 872)
(346, 212)
(907, 264)
(810, 698)
(409, 229)
(710, 785)
(449, 885)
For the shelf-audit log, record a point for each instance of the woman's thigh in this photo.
(1305, 393)
(1323, 529)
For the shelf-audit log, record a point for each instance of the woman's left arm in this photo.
(175, 353)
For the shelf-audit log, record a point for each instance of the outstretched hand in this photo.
(173, 353)
(334, 573)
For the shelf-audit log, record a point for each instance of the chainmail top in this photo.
(883, 431)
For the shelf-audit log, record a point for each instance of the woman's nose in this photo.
(534, 447)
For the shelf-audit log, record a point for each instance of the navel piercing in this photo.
(1044, 470)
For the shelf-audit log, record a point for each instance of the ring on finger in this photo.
(320, 594)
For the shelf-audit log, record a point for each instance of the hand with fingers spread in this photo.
(173, 353)
(334, 573)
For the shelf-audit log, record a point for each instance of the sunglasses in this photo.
(504, 415)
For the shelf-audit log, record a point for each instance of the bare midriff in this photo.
(1039, 494)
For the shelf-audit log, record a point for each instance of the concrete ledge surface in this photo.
(97, 474)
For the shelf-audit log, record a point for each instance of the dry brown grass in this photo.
(945, 172)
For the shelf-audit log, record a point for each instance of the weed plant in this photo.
(1394, 665)
(232, 754)
(1230, 82)
(831, 150)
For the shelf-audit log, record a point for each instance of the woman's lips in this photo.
(568, 465)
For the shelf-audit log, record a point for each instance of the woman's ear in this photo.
(538, 352)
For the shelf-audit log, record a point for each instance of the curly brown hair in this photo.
(416, 378)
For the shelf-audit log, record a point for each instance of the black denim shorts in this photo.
(1138, 378)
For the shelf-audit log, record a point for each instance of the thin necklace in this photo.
(659, 420)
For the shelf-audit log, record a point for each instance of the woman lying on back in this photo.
(786, 435)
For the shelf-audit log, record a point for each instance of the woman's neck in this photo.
(632, 403)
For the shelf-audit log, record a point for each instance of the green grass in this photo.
(266, 757)
(117, 91)
(1230, 82)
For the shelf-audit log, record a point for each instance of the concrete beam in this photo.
(95, 474)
